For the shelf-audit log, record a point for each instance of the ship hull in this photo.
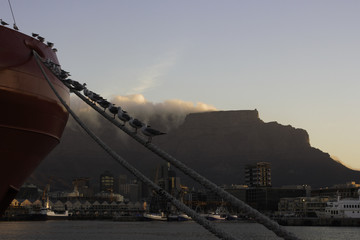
(32, 119)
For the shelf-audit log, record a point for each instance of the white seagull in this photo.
(41, 39)
(123, 116)
(78, 86)
(86, 92)
(104, 103)
(114, 110)
(150, 132)
(3, 22)
(135, 123)
(95, 97)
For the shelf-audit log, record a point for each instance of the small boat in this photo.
(231, 217)
(51, 215)
(219, 215)
(179, 217)
(184, 217)
(155, 216)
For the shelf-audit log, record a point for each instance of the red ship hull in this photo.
(32, 119)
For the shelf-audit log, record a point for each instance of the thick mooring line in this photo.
(161, 192)
(253, 213)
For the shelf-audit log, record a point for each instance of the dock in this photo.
(340, 222)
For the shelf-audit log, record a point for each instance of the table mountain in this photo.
(216, 144)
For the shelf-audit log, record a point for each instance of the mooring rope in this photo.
(161, 192)
(253, 213)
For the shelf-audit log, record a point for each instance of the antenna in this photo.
(12, 13)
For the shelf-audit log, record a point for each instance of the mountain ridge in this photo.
(217, 144)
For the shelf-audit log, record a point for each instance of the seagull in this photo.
(48, 62)
(41, 39)
(114, 110)
(15, 27)
(123, 116)
(92, 96)
(64, 74)
(50, 44)
(54, 49)
(86, 92)
(68, 81)
(35, 35)
(103, 103)
(150, 132)
(135, 123)
(95, 97)
(3, 23)
(78, 86)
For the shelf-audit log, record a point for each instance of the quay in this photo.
(340, 222)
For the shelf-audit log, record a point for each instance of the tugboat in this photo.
(32, 119)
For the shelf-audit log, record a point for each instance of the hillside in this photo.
(216, 144)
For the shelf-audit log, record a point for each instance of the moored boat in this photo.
(32, 118)
(52, 215)
(220, 214)
(155, 216)
(341, 208)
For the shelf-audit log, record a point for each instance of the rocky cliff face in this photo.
(216, 144)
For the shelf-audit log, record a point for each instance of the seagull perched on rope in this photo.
(64, 74)
(114, 110)
(103, 103)
(135, 123)
(150, 132)
(67, 81)
(3, 22)
(94, 97)
(123, 116)
(78, 86)
(86, 92)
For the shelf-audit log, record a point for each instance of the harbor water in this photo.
(109, 230)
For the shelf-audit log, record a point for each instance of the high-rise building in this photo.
(82, 187)
(258, 175)
(107, 182)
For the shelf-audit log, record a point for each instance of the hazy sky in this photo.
(297, 62)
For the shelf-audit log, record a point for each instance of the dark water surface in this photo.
(108, 230)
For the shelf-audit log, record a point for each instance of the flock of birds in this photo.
(5, 24)
(97, 99)
(35, 35)
(94, 97)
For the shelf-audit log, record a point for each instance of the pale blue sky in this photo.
(297, 62)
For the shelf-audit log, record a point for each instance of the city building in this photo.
(107, 182)
(81, 188)
(29, 191)
(258, 175)
(132, 190)
(302, 206)
(348, 190)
